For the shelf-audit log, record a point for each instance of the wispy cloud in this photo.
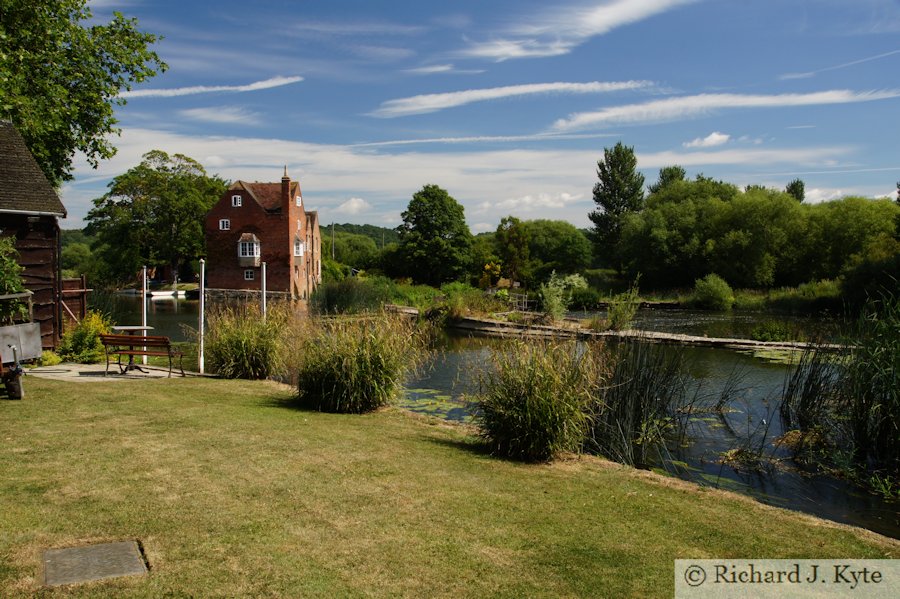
(671, 109)
(229, 115)
(353, 28)
(713, 139)
(537, 137)
(434, 102)
(438, 69)
(209, 89)
(561, 29)
(808, 74)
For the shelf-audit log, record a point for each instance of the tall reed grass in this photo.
(533, 402)
(241, 344)
(852, 400)
(356, 365)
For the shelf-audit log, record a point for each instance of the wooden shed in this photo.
(29, 212)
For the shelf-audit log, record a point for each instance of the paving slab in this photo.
(74, 565)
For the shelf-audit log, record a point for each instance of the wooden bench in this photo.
(139, 345)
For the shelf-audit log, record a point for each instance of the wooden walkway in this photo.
(501, 328)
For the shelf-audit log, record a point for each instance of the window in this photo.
(249, 274)
(236, 201)
(248, 249)
(299, 200)
(298, 247)
(298, 224)
(224, 224)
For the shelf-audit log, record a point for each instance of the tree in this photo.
(59, 80)
(797, 189)
(153, 214)
(619, 191)
(554, 245)
(667, 176)
(435, 241)
(511, 241)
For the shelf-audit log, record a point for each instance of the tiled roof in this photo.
(267, 195)
(23, 186)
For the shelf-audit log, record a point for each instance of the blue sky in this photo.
(509, 104)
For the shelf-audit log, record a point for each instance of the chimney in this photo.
(286, 192)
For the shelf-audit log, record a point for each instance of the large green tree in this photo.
(511, 241)
(61, 77)
(435, 241)
(153, 214)
(554, 245)
(619, 192)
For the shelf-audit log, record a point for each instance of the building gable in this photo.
(23, 186)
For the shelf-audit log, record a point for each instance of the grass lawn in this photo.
(234, 493)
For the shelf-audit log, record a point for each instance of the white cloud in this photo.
(231, 115)
(713, 139)
(434, 102)
(818, 195)
(484, 139)
(490, 183)
(354, 206)
(438, 69)
(560, 29)
(809, 74)
(207, 89)
(670, 109)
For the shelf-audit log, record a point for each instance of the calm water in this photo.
(441, 389)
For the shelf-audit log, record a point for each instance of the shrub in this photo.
(49, 358)
(350, 295)
(713, 293)
(357, 366)
(82, 344)
(622, 308)
(531, 404)
(462, 299)
(772, 330)
(240, 344)
(585, 299)
(10, 282)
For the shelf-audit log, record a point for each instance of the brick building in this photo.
(254, 223)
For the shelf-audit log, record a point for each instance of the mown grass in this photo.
(233, 494)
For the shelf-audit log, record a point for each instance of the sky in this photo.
(509, 104)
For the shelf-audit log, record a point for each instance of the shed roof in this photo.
(23, 186)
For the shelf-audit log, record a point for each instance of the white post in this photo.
(202, 310)
(144, 300)
(264, 290)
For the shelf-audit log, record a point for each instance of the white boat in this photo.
(166, 294)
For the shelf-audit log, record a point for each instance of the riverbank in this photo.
(233, 492)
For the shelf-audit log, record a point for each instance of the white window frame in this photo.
(248, 249)
(298, 248)
(236, 201)
(249, 274)
(224, 224)
(299, 200)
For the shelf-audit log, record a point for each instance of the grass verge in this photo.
(234, 494)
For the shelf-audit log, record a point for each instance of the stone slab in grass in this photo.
(74, 565)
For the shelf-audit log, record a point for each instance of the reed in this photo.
(356, 365)
(241, 344)
(532, 403)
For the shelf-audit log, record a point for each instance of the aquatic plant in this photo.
(241, 344)
(713, 293)
(356, 365)
(623, 307)
(532, 403)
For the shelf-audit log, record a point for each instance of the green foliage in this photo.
(82, 343)
(461, 300)
(642, 396)
(61, 75)
(435, 242)
(872, 272)
(772, 330)
(712, 293)
(49, 358)
(512, 241)
(10, 282)
(553, 246)
(556, 294)
(667, 176)
(153, 214)
(357, 366)
(381, 236)
(356, 251)
(585, 299)
(851, 400)
(333, 272)
(623, 307)
(240, 344)
(796, 189)
(619, 191)
(350, 295)
(531, 404)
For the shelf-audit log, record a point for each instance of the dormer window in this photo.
(224, 224)
(236, 201)
(299, 200)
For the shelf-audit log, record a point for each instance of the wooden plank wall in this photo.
(37, 241)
